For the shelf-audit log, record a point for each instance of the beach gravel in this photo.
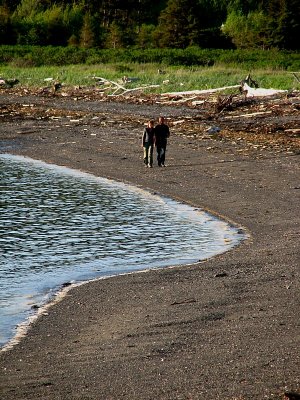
(225, 328)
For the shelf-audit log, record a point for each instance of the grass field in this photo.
(173, 78)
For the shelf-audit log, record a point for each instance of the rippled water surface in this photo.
(59, 225)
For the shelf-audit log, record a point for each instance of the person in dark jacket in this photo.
(162, 132)
(148, 143)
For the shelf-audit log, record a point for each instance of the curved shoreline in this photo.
(226, 328)
(61, 290)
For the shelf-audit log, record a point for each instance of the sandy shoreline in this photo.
(180, 333)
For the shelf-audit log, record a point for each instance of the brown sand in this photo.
(226, 328)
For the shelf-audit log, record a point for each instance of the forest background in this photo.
(125, 34)
(144, 24)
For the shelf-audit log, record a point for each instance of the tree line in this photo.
(145, 24)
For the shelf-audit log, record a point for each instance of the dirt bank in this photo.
(227, 328)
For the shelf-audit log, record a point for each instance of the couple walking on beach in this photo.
(155, 136)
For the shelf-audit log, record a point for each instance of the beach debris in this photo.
(8, 83)
(250, 88)
(121, 90)
(101, 81)
(186, 301)
(249, 81)
(56, 85)
(178, 122)
(213, 130)
(223, 102)
(250, 115)
(251, 124)
(127, 79)
(198, 102)
(291, 396)
(199, 92)
(260, 92)
(221, 275)
(66, 284)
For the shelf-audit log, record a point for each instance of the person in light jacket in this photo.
(148, 143)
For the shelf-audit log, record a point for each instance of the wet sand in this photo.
(225, 328)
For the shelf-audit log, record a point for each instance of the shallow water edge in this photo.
(58, 295)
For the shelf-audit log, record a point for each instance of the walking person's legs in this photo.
(160, 156)
(146, 153)
(150, 156)
(163, 156)
(158, 149)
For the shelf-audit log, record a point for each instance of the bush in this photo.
(29, 56)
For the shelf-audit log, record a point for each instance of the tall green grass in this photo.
(188, 69)
(174, 78)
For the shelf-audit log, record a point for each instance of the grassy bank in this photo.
(191, 68)
(174, 78)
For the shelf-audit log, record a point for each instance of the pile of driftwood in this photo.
(118, 88)
(220, 98)
(248, 88)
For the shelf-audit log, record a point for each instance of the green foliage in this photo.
(265, 23)
(114, 37)
(27, 9)
(87, 37)
(191, 56)
(247, 31)
(145, 37)
(175, 78)
(176, 24)
(146, 24)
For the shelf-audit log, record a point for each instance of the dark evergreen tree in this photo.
(6, 33)
(284, 27)
(177, 24)
(114, 39)
(145, 37)
(87, 36)
(184, 23)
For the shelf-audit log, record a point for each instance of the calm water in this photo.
(59, 225)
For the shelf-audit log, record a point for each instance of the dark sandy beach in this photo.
(225, 328)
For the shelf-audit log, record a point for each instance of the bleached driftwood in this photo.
(260, 92)
(180, 121)
(199, 92)
(198, 102)
(255, 114)
(120, 90)
(117, 87)
(126, 91)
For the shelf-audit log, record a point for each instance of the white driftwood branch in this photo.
(260, 92)
(199, 92)
(255, 114)
(104, 80)
(126, 91)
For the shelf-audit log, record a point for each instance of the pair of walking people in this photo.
(155, 136)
